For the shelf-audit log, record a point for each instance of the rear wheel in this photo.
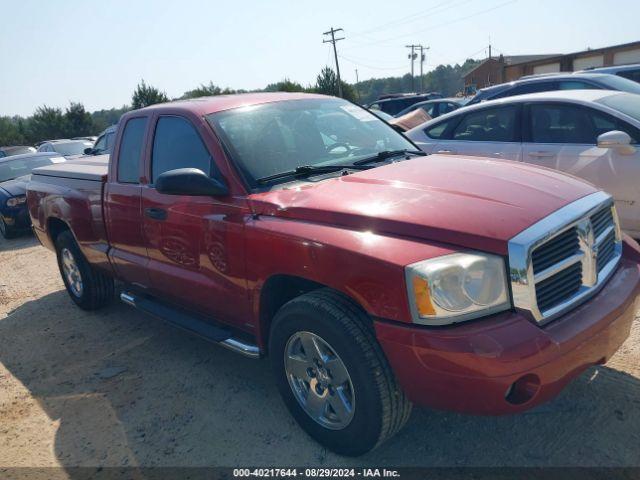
(7, 231)
(333, 375)
(89, 288)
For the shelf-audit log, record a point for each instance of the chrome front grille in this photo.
(565, 258)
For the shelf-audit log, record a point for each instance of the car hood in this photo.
(17, 186)
(470, 202)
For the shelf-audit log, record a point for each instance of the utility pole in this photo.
(422, 59)
(333, 41)
(412, 56)
(357, 86)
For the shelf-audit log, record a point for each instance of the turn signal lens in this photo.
(423, 297)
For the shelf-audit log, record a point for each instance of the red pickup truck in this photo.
(304, 228)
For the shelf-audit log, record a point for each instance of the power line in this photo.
(333, 41)
(440, 25)
(416, 16)
(360, 64)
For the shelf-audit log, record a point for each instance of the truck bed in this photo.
(85, 168)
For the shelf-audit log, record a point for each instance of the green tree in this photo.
(327, 84)
(284, 85)
(145, 95)
(11, 132)
(105, 118)
(78, 121)
(46, 123)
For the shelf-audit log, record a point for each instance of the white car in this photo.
(592, 134)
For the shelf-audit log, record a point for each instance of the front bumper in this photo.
(472, 367)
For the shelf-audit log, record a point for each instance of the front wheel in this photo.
(332, 373)
(89, 288)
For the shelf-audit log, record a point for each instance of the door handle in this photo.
(446, 151)
(156, 213)
(542, 154)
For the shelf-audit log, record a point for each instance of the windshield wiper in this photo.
(387, 154)
(308, 170)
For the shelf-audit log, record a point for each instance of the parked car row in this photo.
(304, 228)
(556, 81)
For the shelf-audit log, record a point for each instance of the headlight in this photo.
(456, 287)
(15, 201)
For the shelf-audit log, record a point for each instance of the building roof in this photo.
(513, 59)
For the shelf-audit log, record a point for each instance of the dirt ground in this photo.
(119, 388)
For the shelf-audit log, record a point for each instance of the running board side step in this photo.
(191, 324)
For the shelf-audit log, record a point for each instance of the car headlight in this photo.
(15, 201)
(457, 287)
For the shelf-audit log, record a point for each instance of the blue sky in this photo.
(95, 52)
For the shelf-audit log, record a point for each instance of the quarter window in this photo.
(178, 145)
(131, 150)
(439, 130)
(488, 125)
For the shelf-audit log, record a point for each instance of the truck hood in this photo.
(470, 202)
(17, 186)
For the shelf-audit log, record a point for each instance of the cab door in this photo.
(123, 205)
(195, 243)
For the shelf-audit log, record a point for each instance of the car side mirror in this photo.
(189, 181)
(88, 151)
(616, 139)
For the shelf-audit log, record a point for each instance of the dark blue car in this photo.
(15, 172)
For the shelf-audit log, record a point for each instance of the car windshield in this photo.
(72, 148)
(615, 82)
(626, 103)
(10, 169)
(277, 137)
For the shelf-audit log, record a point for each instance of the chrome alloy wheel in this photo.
(319, 380)
(71, 271)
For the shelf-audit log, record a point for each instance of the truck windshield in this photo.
(265, 140)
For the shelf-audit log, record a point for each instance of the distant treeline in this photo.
(52, 122)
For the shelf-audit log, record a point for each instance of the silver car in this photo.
(592, 134)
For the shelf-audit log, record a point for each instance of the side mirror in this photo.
(88, 151)
(616, 139)
(189, 181)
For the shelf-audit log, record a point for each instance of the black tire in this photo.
(380, 407)
(7, 231)
(97, 288)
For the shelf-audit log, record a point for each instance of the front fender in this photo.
(366, 266)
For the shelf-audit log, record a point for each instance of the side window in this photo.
(177, 145)
(631, 75)
(439, 130)
(109, 141)
(533, 87)
(446, 107)
(131, 150)
(561, 124)
(430, 109)
(488, 125)
(604, 123)
(101, 144)
(576, 85)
